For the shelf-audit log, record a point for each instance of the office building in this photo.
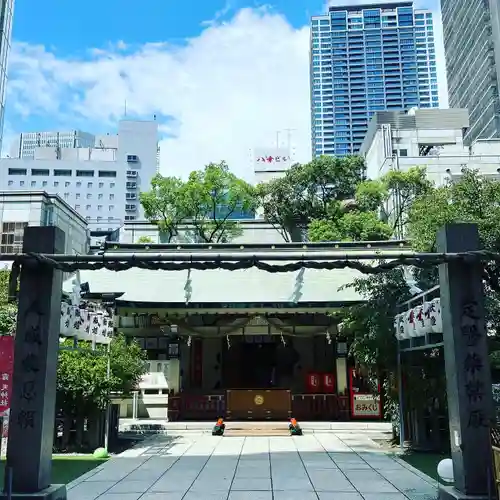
(19, 209)
(28, 142)
(366, 59)
(428, 138)
(101, 184)
(471, 32)
(6, 13)
(431, 138)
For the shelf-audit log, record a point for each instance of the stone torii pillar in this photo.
(468, 377)
(32, 407)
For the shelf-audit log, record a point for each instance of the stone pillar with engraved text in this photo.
(32, 414)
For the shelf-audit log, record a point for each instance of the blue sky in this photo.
(222, 76)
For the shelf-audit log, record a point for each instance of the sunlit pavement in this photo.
(314, 466)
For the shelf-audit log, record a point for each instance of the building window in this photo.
(11, 183)
(77, 196)
(21, 183)
(88, 207)
(403, 152)
(12, 237)
(110, 219)
(107, 173)
(101, 184)
(111, 196)
(66, 184)
(111, 208)
(66, 196)
(89, 185)
(111, 184)
(77, 207)
(99, 207)
(56, 183)
(100, 196)
(18, 171)
(61, 172)
(85, 173)
(89, 195)
(78, 184)
(44, 183)
(33, 184)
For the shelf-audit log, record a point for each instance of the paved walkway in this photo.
(314, 466)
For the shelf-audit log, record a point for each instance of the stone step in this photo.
(149, 427)
(256, 432)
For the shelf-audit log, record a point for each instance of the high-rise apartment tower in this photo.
(366, 59)
(471, 31)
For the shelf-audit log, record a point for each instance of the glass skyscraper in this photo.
(366, 59)
(6, 13)
(471, 32)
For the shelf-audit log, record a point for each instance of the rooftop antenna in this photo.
(289, 136)
(125, 108)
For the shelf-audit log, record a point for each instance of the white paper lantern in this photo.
(64, 326)
(397, 321)
(410, 326)
(435, 316)
(419, 321)
(427, 308)
(403, 335)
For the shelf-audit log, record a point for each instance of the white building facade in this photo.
(26, 145)
(19, 209)
(102, 184)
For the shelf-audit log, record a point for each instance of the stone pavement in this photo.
(314, 466)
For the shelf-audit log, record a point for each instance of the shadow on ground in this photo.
(311, 467)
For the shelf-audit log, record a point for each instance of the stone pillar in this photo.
(32, 414)
(468, 377)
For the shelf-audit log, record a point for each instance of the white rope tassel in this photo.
(328, 337)
(283, 341)
(189, 341)
(228, 342)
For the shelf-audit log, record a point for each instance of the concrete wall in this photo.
(254, 231)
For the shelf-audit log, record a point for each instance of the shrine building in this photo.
(244, 344)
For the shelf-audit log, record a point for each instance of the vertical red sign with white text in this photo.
(6, 371)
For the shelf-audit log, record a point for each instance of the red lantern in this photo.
(328, 382)
(313, 382)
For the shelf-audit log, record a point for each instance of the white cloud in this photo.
(229, 90)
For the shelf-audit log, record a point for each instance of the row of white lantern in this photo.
(82, 322)
(419, 321)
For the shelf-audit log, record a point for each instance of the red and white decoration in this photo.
(419, 321)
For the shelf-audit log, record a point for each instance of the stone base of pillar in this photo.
(450, 493)
(53, 492)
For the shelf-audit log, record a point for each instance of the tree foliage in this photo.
(145, 239)
(82, 381)
(306, 192)
(8, 312)
(472, 198)
(164, 204)
(211, 197)
(208, 200)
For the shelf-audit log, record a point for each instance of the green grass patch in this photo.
(424, 462)
(66, 468)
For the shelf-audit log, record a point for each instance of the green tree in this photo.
(82, 381)
(306, 193)
(211, 197)
(472, 198)
(164, 204)
(145, 239)
(8, 312)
